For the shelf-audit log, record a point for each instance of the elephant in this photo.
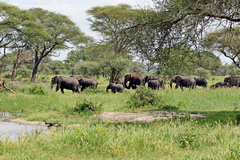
(201, 82)
(154, 84)
(69, 83)
(159, 78)
(134, 79)
(78, 77)
(86, 82)
(115, 87)
(220, 84)
(182, 81)
(232, 81)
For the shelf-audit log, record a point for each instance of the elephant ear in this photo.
(177, 79)
(57, 78)
(54, 79)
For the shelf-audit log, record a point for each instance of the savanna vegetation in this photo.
(213, 137)
(171, 37)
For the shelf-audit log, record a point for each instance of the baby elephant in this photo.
(115, 88)
(220, 84)
(154, 84)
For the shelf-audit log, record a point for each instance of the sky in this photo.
(75, 10)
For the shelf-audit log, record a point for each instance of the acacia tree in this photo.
(181, 22)
(225, 42)
(109, 22)
(61, 34)
(13, 22)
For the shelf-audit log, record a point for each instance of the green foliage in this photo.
(143, 97)
(37, 89)
(115, 67)
(24, 72)
(7, 75)
(201, 72)
(82, 107)
(186, 139)
(226, 42)
(88, 68)
(136, 67)
(75, 56)
(57, 67)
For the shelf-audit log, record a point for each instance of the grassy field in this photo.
(215, 137)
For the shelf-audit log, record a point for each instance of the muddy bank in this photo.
(24, 122)
(147, 116)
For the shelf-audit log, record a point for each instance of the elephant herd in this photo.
(73, 83)
(227, 82)
(134, 80)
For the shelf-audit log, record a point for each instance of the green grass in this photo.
(213, 137)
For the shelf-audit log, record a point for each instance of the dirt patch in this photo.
(22, 121)
(147, 116)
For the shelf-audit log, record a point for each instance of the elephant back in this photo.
(78, 77)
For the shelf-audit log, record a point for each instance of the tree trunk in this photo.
(34, 73)
(73, 71)
(14, 70)
(112, 75)
(15, 66)
(35, 68)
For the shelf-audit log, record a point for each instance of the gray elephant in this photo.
(201, 82)
(157, 77)
(115, 87)
(69, 83)
(86, 82)
(232, 81)
(220, 84)
(182, 81)
(134, 79)
(78, 77)
(154, 84)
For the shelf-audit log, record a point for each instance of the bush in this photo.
(201, 72)
(37, 89)
(86, 107)
(24, 72)
(143, 97)
(7, 75)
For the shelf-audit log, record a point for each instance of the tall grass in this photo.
(157, 140)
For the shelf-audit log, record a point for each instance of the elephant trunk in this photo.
(171, 84)
(52, 85)
(125, 83)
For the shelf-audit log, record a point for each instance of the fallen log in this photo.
(4, 85)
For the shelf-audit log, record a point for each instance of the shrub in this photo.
(37, 89)
(24, 72)
(143, 97)
(86, 107)
(7, 75)
(201, 72)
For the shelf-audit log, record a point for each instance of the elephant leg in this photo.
(83, 87)
(62, 90)
(176, 85)
(95, 87)
(57, 88)
(113, 90)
